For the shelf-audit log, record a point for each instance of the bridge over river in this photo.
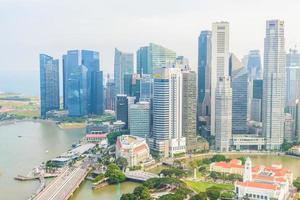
(63, 186)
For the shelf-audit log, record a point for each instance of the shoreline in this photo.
(14, 121)
(61, 125)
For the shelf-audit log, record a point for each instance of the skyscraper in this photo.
(219, 63)
(110, 94)
(89, 59)
(274, 84)
(254, 65)
(189, 109)
(122, 108)
(77, 85)
(139, 119)
(223, 114)
(256, 104)
(132, 84)
(123, 64)
(292, 75)
(142, 66)
(167, 112)
(239, 101)
(49, 84)
(159, 57)
(146, 88)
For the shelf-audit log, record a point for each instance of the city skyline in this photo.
(194, 16)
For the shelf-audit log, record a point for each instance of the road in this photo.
(65, 184)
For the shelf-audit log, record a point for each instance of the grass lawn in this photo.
(202, 186)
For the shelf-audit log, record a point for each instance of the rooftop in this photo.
(258, 185)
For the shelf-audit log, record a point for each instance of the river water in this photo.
(25, 145)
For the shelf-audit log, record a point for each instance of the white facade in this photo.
(134, 149)
(274, 84)
(167, 112)
(223, 111)
(139, 119)
(219, 63)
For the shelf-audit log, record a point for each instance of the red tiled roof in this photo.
(258, 185)
(101, 136)
(228, 165)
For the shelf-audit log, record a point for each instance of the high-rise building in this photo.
(181, 62)
(223, 114)
(139, 119)
(274, 84)
(256, 104)
(122, 108)
(189, 109)
(204, 69)
(146, 87)
(292, 75)
(239, 101)
(142, 66)
(132, 84)
(289, 130)
(254, 65)
(219, 63)
(234, 64)
(89, 59)
(110, 94)
(167, 112)
(77, 92)
(159, 57)
(49, 84)
(123, 64)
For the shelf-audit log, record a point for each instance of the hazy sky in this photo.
(30, 27)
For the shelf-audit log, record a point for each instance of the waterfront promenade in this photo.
(63, 186)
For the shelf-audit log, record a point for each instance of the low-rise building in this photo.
(134, 149)
(264, 182)
(232, 167)
(100, 139)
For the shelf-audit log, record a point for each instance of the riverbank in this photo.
(14, 121)
(72, 125)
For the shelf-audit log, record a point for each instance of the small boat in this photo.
(19, 136)
(47, 151)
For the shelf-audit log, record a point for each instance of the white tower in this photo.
(248, 170)
(219, 63)
(274, 85)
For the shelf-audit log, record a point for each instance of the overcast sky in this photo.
(30, 27)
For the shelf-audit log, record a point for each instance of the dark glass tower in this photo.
(49, 84)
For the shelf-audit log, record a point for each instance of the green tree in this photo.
(114, 174)
(227, 195)
(213, 193)
(112, 137)
(286, 146)
(243, 159)
(296, 183)
(128, 196)
(200, 196)
(218, 158)
(122, 163)
(142, 193)
(170, 172)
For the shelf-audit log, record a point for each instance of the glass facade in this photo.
(49, 84)
(89, 59)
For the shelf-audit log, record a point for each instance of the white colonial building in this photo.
(264, 183)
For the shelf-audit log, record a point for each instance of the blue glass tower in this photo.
(89, 59)
(204, 65)
(77, 92)
(49, 84)
(142, 60)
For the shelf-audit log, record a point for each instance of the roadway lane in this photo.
(63, 185)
